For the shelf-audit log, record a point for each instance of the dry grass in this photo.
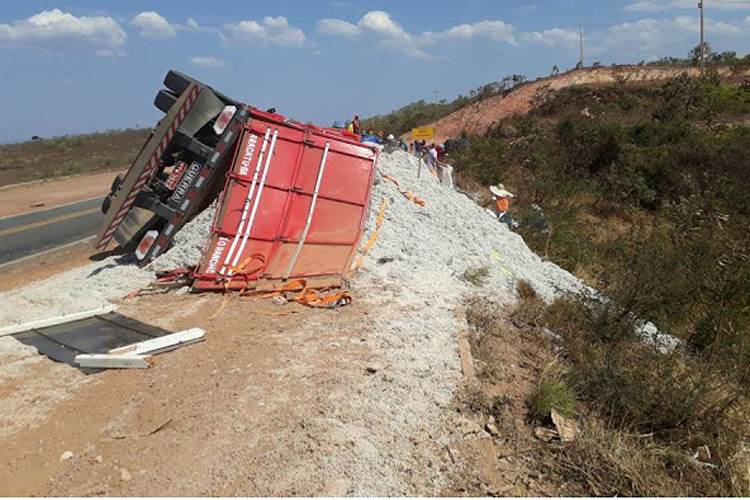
(69, 155)
(679, 404)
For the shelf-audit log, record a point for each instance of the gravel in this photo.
(412, 280)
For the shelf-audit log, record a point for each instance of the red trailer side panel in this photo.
(272, 223)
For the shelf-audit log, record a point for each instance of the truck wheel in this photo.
(164, 100)
(106, 202)
(177, 82)
(115, 184)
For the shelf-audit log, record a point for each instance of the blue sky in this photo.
(83, 65)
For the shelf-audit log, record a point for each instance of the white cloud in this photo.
(59, 31)
(207, 61)
(153, 25)
(652, 38)
(272, 30)
(337, 27)
(553, 37)
(495, 31)
(390, 34)
(662, 5)
(381, 23)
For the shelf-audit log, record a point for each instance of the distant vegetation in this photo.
(419, 113)
(645, 189)
(422, 112)
(69, 155)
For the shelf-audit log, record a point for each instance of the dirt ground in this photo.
(238, 406)
(35, 196)
(269, 404)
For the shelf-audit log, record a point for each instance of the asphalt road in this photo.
(28, 234)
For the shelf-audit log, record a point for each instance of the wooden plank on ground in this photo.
(173, 340)
(58, 320)
(113, 361)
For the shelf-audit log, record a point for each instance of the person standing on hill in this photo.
(350, 127)
(355, 124)
(432, 159)
(501, 204)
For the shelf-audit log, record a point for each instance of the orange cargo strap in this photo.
(307, 297)
(239, 269)
(408, 194)
(372, 239)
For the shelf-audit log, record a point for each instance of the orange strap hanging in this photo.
(408, 194)
(372, 239)
(240, 271)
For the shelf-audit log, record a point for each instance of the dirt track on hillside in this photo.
(478, 117)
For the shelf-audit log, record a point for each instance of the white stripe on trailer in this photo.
(184, 205)
(168, 229)
(151, 164)
(246, 205)
(314, 200)
(256, 202)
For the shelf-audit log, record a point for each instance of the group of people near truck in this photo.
(434, 157)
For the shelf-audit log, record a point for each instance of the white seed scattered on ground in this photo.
(187, 244)
(397, 420)
(94, 285)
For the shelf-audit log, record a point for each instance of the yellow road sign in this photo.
(426, 133)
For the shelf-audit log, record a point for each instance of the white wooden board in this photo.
(58, 320)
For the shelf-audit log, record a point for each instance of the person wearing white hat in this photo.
(500, 200)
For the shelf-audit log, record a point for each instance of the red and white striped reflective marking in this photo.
(144, 177)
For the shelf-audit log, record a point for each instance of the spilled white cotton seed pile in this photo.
(411, 284)
(94, 285)
(423, 251)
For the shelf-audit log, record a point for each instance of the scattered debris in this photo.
(125, 475)
(467, 426)
(545, 434)
(113, 361)
(566, 428)
(67, 455)
(57, 320)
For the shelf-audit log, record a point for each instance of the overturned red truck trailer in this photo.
(293, 197)
(294, 206)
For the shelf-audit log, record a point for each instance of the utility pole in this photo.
(580, 39)
(703, 54)
(434, 95)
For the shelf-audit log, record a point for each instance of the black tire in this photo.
(164, 100)
(106, 203)
(115, 184)
(177, 82)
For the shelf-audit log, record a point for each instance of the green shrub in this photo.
(551, 392)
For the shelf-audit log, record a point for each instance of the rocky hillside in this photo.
(478, 117)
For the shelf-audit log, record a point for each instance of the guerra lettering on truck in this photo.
(247, 155)
(213, 262)
(186, 181)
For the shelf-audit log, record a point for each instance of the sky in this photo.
(78, 66)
